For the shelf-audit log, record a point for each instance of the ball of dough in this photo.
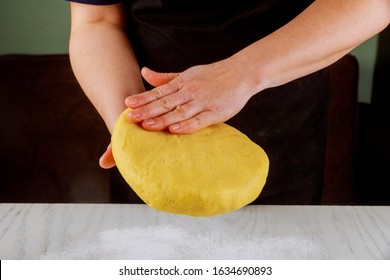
(210, 172)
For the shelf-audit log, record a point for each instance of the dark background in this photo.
(51, 137)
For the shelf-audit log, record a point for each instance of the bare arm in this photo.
(322, 34)
(213, 93)
(102, 58)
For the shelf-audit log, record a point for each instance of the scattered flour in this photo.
(168, 242)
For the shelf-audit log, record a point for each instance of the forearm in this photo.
(321, 35)
(105, 66)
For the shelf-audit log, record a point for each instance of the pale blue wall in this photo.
(42, 27)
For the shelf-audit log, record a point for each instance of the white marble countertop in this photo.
(118, 231)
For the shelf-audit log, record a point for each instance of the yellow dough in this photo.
(210, 172)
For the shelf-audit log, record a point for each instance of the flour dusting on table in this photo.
(168, 242)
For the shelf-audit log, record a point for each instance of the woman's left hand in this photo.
(192, 100)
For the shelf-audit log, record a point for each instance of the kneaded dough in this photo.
(210, 172)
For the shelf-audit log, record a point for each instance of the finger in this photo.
(194, 124)
(180, 113)
(146, 97)
(107, 161)
(156, 78)
(158, 107)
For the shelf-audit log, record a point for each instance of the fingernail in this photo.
(134, 114)
(175, 126)
(131, 101)
(150, 122)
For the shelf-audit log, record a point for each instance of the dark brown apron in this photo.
(288, 121)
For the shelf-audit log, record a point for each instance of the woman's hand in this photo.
(107, 161)
(192, 100)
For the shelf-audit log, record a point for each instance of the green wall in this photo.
(366, 55)
(42, 27)
(34, 26)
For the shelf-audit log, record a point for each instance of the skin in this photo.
(104, 64)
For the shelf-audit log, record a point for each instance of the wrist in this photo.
(255, 74)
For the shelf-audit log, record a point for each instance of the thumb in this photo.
(156, 78)
(107, 161)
